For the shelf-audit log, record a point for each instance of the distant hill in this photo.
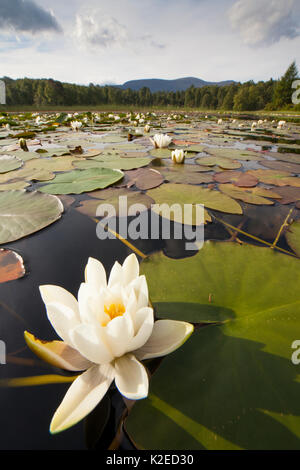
(179, 84)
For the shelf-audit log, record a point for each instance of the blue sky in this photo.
(112, 42)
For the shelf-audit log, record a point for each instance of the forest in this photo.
(270, 95)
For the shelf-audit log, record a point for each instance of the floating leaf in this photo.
(231, 385)
(278, 178)
(238, 178)
(186, 176)
(288, 194)
(144, 178)
(11, 266)
(81, 181)
(244, 195)
(185, 194)
(9, 163)
(281, 166)
(117, 163)
(225, 163)
(293, 237)
(112, 196)
(233, 153)
(23, 213)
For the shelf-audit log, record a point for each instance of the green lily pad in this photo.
(232, 385)
(81, 181)
(113, 162)
(293, 237)
(233, 153)
(186, 194)
(9, 163)
(112, 196)
(245, 195)
(23, 213)
(225, 163)
(278, 178)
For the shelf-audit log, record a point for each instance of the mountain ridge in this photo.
(178, 84)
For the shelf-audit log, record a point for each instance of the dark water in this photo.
(57, 255)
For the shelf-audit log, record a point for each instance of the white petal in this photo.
(90, 342)
(119, 333)
(131, 377)
(141, 291)
(115, 275)
(82, 397)
(167, 336)
(91, 307)
(95, 274)
(63, 320)
(130, 269)
(144, 328)
(60, 295)
(57, 353)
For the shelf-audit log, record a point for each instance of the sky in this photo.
(110, 42)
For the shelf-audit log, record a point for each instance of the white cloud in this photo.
(95, 30)
(265, 22)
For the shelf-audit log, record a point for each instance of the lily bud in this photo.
(23, 145)
(178, 156)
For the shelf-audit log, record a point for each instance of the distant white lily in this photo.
(107, 332)
(147, 128)
(76, 125)
(161, 141)
(281, 125)
(220, 121)
(178, 156)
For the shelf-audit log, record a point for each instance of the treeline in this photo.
(249, 96)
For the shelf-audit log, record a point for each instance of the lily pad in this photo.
(112, 196)
(233, 153)
(277, 178)
(281, 166)
(293, 237)
(231, 385)
(113, 163)
(23, 213)
(144, 178)
(9, 163)
(225, 163)
(238, 178)
(244, 195)
(11, 266)
(187, 194)
(81, 181)
(288, 194)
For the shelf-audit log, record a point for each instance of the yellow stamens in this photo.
(114, 310)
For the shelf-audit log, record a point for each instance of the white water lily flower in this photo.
(161, 141)
(281, 125)
(178, 156)
(107, 332)
(76, 125)
(220, 121)
(147, 128)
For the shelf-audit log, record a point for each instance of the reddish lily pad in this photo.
(11, 266)
(238, 178)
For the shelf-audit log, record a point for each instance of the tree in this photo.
(283, 90)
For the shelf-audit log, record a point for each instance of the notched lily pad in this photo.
(23, 213)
